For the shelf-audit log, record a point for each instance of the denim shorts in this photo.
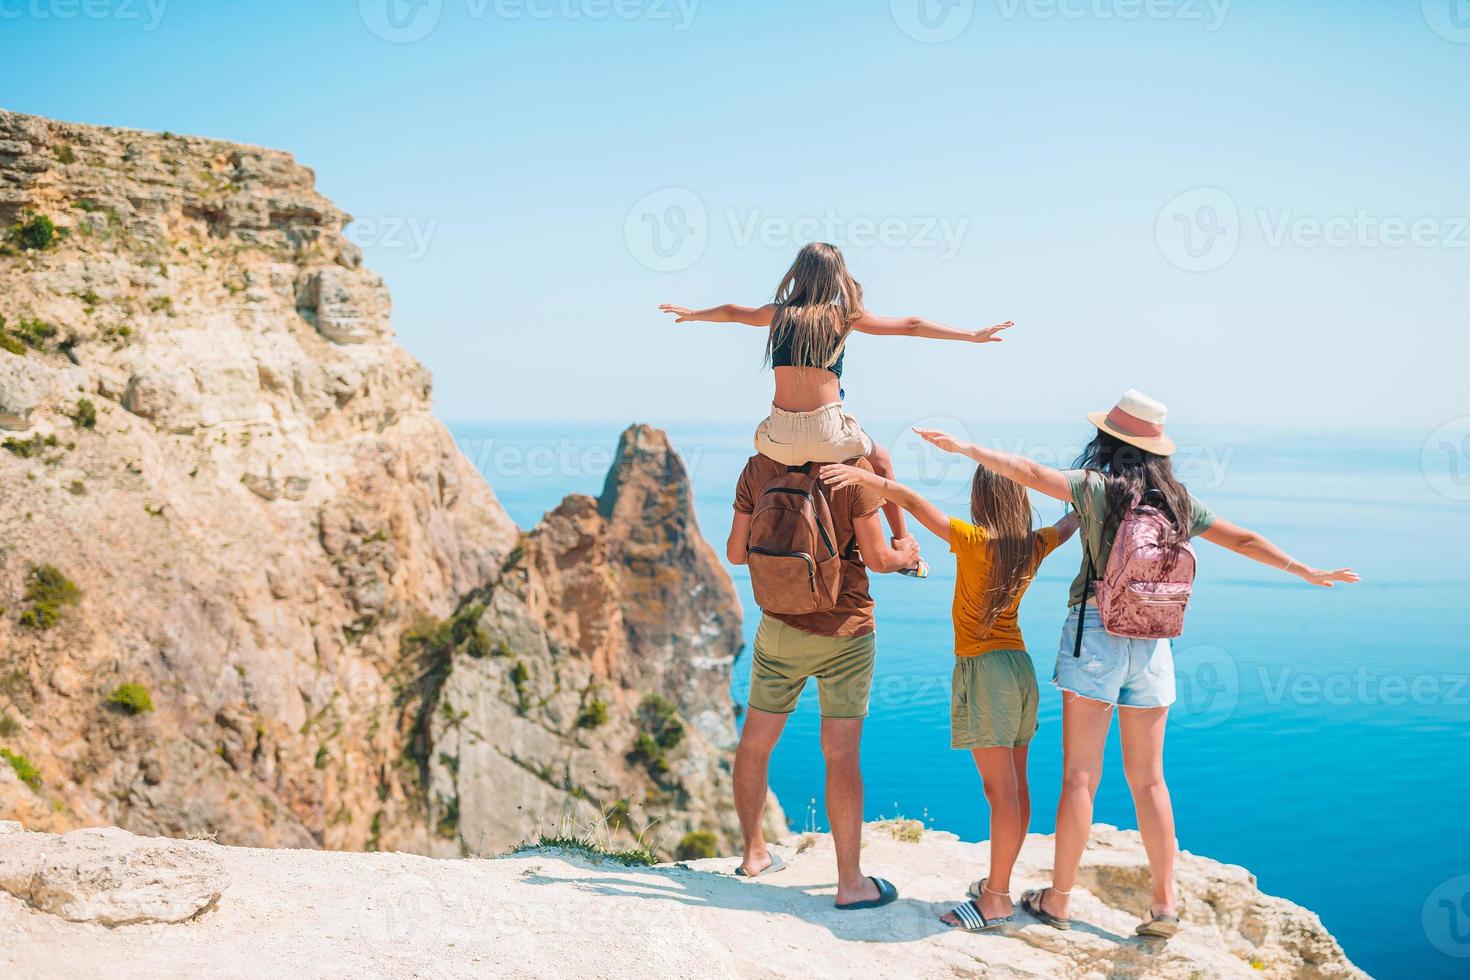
(1121, 671)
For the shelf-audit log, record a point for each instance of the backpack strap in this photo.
(805, 469)
(1086, 588)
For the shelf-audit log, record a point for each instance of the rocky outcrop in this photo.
(552, 912)
(108, 876)
(234, 536)
(594, 687)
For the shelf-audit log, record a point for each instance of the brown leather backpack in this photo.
(795, 567)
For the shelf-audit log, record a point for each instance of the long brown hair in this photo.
(1000, 506)
(1134, 476)
(816, 305)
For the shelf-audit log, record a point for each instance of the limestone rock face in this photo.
(108, 876)
(255, 514)
(236, 496)
(23, 386)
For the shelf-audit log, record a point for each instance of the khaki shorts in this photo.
(992, 702)
(826, 435)
(786, 656)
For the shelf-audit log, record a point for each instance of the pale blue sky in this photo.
(498, 163)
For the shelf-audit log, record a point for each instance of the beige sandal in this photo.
(1159, 926)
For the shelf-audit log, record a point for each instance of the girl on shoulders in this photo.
(818, 306)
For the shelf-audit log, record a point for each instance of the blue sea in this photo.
(1321, 738)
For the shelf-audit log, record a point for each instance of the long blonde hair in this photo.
(816, 305)
(1000, 506)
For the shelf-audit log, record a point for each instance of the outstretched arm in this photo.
(917, 326)
(1067, 526)
(839, 475)
(1257, 547)
(1026, 472)
(755, 316)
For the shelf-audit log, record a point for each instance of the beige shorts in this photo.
(826, 435)
(786, 656)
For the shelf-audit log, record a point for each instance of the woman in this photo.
(993, 695)
(1126, 464)
(818, 305)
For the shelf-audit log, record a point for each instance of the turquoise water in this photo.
(1322, 738)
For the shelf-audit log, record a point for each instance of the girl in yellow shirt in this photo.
(994, 694)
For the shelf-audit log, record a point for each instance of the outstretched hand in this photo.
(681, 313)
(990, 334)
(839, 475)
(941, 439)
(1326, 579)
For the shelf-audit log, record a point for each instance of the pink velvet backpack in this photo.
(1145, 588)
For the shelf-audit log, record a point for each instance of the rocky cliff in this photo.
(250, 587)
(104, 903)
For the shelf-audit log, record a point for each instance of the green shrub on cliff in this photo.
(30, 448)
(695, 845)
(132, 699)
(24, 768)
(661, 731)
(86, 415)
(34, 333)
(593, 714)
(8, 343)
(36, 232)
(460, 633)
(49, 592)
(660, 719)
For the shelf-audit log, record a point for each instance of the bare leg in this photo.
(1023, 794)
(1142, 732)
(752, 765)
(883, 466)
(1085, 725)
(841, 739)
(1002, 785)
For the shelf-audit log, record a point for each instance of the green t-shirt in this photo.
(1089, 497)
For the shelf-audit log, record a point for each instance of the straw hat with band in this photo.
(1138, 420)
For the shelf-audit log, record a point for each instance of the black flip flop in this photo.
(973, 920)
(887, 894)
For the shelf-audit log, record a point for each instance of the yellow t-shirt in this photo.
(972, 551)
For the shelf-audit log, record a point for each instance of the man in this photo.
(836, 647)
